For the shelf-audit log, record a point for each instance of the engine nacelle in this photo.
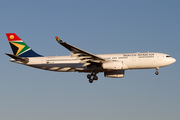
(112, 65)
(114, 74)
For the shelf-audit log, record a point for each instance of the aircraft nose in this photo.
(173, 60)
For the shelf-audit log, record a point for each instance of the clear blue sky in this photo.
(97, 26)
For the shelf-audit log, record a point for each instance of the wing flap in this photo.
(86, 64)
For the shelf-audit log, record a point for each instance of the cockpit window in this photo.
(168, 56)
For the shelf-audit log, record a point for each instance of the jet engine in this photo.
(112, 65)
(114, 74)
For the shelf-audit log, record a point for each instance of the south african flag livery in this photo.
(20, 48)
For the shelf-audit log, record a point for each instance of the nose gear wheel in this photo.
(157, 73)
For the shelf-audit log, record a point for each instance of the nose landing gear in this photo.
(157, 73)
(92, 77)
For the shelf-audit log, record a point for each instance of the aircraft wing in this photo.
(85, 57)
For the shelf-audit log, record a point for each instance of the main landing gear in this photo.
(157, 73)
(92, 77)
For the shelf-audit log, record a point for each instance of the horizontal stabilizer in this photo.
(24, 60)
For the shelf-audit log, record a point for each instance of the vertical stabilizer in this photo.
(20, 48)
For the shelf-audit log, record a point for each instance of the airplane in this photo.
(113, 65)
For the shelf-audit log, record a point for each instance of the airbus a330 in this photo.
(112, 65)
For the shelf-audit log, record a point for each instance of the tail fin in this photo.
(20, 48)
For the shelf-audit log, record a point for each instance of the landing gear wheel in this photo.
(95, 78)
(92, 77)
(88, 76)
(90, 81)
(157, 73)
(93, 74)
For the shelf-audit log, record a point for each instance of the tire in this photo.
(157, 73)
(93, 74)
(95, 78)
(88, 76)
(90, 81)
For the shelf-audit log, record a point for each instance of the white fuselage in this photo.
(129, 61)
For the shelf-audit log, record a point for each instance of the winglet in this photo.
(58, 39)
